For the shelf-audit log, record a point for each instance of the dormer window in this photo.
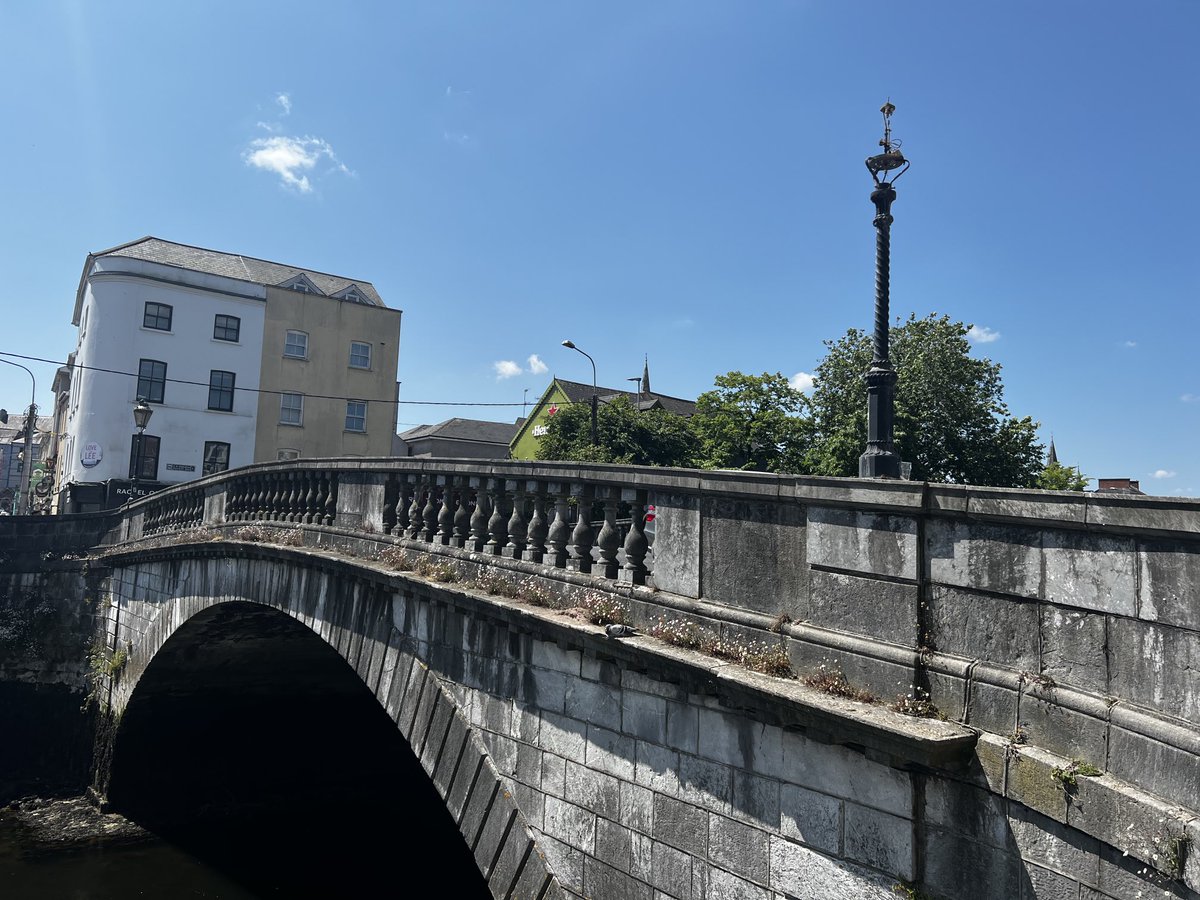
(301, 283)
(352, 294)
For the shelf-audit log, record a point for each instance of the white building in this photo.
(183, 328)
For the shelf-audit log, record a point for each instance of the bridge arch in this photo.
(217, 654)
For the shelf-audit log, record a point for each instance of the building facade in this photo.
(458, 439)
(213, 342)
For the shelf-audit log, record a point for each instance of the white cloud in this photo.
(802, 382)
(1190, 398)
(285, 102)
(536, 366)
(1131, 343)
(506, 368)
(267, 126)
(1163, 473)
(291, 158)
(981, 334)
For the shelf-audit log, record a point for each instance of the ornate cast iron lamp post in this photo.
(571, 346)
(881, 459)
(141, 418)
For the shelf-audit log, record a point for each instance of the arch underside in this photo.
(321, 650)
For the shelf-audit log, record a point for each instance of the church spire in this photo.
(1052, 456)
(646, 375)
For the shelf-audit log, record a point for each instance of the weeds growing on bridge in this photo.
(768, 658)
(1067, 776)
(601, 609)
(917, 703)
(831, 680)
(397, 558)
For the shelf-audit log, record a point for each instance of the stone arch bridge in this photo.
(833, 687)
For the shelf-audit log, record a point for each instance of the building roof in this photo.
(16, 425)
(578, 392)
(234, 265)
(464, 430)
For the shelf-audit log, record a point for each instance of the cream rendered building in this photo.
(328, 380)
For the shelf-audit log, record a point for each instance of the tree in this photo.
(951, 421)
(1057, 477)
(752, 422)
(624, 435)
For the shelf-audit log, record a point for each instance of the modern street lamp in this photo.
(27, 454)
(881, 459)
(571, 346)
(141, 418)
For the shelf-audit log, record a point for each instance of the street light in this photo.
(27, 457)
(141, 418)
(571, 346)
(881, 459)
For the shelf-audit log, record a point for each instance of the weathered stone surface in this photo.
(594, 702)
(1050, 725)
(1054, 846)
(974, 813)
(1156, 666)
(644, 716)
(610, 752)
(992, 874)
(862, 542)
(1091, 571)
(752, 554)
(676, 550)
(1043, 884)
(843, 773)
(756, 799)
(982, 626)
(681, 825)
(1169, 583)
(737, 741)
(879, 840)
(800, 873)
(1073, 647)
(1159, 768)
(614, 844)
(874, 607)
(571, 824)
(731, 887)
(594, 790)
(811, 818)
(670, 870)
(740, 848)
(1000, 559)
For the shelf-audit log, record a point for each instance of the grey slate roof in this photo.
(578, 392)
(464, 430)
(234, 265)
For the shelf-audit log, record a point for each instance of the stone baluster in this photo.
(462, 515)
(416, 510)
(294, 495)
(283, 508)
(261, 494)
(404, 492)
(479, 518)
(535, 549)
(331, 500)
(390, 490)
(518, 527)
(445, 518)
(498, 523)
(430, 513)
(636, 545)
(271, 480)
(608, 541)
(559, 536)
(310, 499)
(582, 535)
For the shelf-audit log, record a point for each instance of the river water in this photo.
(63, 850)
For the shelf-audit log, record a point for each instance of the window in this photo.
(152, 380)
(360, 355)
(220, 390)
(291, 409)
(227, 328)
(296, 345)
(216, 457)
(143, 457)
(287, 453)
(157, 316)
(356, 415)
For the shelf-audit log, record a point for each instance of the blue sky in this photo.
(678, 179)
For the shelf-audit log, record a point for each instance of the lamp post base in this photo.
(879, 463)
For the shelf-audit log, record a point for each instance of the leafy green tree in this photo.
(752, 422)
(1057, 477)
(624, 435)
(951, 420)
